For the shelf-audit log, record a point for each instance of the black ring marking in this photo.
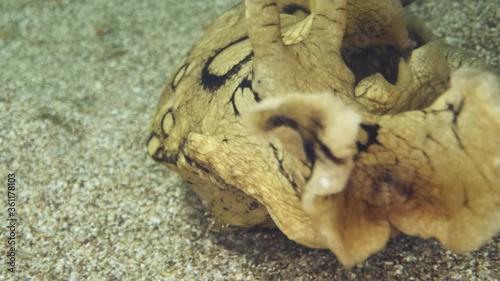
(174, 85)
(165, 134)
(246, 83)
(211, 82)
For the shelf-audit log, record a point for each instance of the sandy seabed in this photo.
(79, 81)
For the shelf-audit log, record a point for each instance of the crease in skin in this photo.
(241, 121)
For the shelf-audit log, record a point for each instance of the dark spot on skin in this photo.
(293, 8)
(395, 185)
(387, 177)
(211, 82)
(456, 111)
(246, 82)
(254, 205)
(309, 151)
(449, 108)
(280, 120)
(372, 132)
(466, 199)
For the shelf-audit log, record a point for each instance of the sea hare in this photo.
(343, 125)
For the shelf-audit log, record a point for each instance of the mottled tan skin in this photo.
(424, 160)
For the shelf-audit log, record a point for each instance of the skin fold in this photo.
(341, 124)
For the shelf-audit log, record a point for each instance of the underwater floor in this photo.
(79, 81)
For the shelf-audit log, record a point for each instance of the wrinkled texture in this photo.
(247, 181)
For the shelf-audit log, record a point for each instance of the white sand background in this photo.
(79, 80)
